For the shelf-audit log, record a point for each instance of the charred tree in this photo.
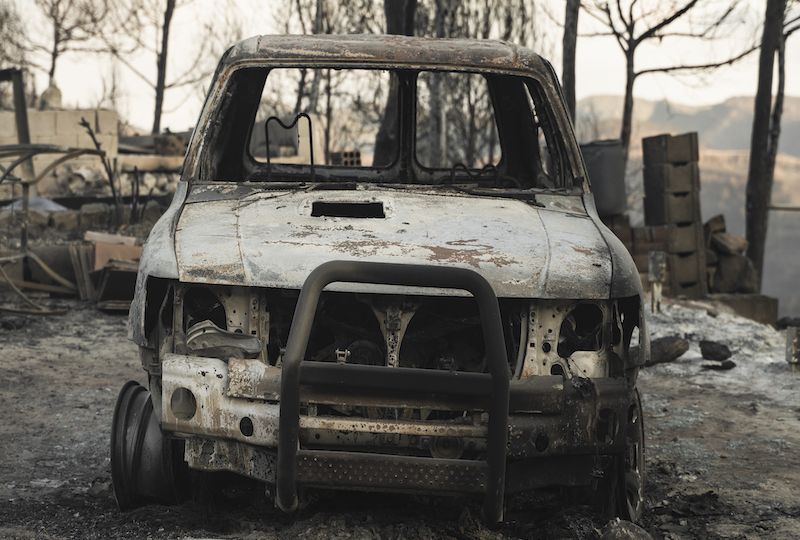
(161, 65)
(316, 28)
(437, 134)
(12, 36)
(73, 27)
(568, 46)
(399, 20)
(763, 144)
(137, 28)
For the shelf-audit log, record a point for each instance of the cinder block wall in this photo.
(62, 128)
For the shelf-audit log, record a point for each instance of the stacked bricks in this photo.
(62, 128)
(672, 202)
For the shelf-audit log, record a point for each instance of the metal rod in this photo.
(782, 208)
(23, 232)
(290, 126)
(37, 309)
(58, 278)
(403, 379)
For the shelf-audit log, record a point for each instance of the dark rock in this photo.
(785, 322)
(618, 529)
(722, 366)
(665, 349)
(713, 226)
(712, 350)
(100, 488)
(732, 244)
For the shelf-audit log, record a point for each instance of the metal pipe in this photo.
(23, 233)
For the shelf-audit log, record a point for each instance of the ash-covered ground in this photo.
(723, 449)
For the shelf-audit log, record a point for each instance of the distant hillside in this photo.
(724, 131)
(724, 126)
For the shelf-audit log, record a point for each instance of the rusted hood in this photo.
(271, 239)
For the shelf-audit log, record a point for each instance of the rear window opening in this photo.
(347, 209)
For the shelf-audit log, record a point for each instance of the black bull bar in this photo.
(493, 386)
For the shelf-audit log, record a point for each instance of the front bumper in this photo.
(556, 429)
(261, 407)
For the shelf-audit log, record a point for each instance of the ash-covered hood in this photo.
(275, 239)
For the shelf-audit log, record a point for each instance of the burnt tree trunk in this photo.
(399, 20)
(436, 129)
(472, 128)
(161, 66)
(328, 116)
(568, 46)
(777, 110)
(54, 53)
(301, 85)
(627, 106)
(759, 177)
(316, 28)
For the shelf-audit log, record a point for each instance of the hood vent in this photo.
(347, 209)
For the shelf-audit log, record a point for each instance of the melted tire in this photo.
(146, 466)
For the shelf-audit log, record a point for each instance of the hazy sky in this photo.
(600, 66)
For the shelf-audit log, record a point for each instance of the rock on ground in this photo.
(713, 350)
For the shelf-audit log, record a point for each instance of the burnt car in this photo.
(383, 270)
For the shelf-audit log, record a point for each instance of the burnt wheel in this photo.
(620, 493)
(145, 466)
(630, 491)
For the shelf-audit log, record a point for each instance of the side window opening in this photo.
(549, 154)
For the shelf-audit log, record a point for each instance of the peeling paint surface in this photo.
(385, 49)
(269, 239)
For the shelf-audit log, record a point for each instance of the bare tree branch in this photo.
(697, 67)
(650, 32)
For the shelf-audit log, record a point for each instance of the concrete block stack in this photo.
(62, 128)
(672, 202)
(640, 242)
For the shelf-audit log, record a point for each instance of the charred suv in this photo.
(383, 270)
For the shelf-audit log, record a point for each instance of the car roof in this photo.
(386, 51)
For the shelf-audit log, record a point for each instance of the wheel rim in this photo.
(142, 458)
(634, 463)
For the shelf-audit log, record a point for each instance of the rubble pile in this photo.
(729, 269)
(59, 222)
(90, 181)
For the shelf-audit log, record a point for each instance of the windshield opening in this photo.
(391, 126)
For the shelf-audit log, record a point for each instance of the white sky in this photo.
(600, 65)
